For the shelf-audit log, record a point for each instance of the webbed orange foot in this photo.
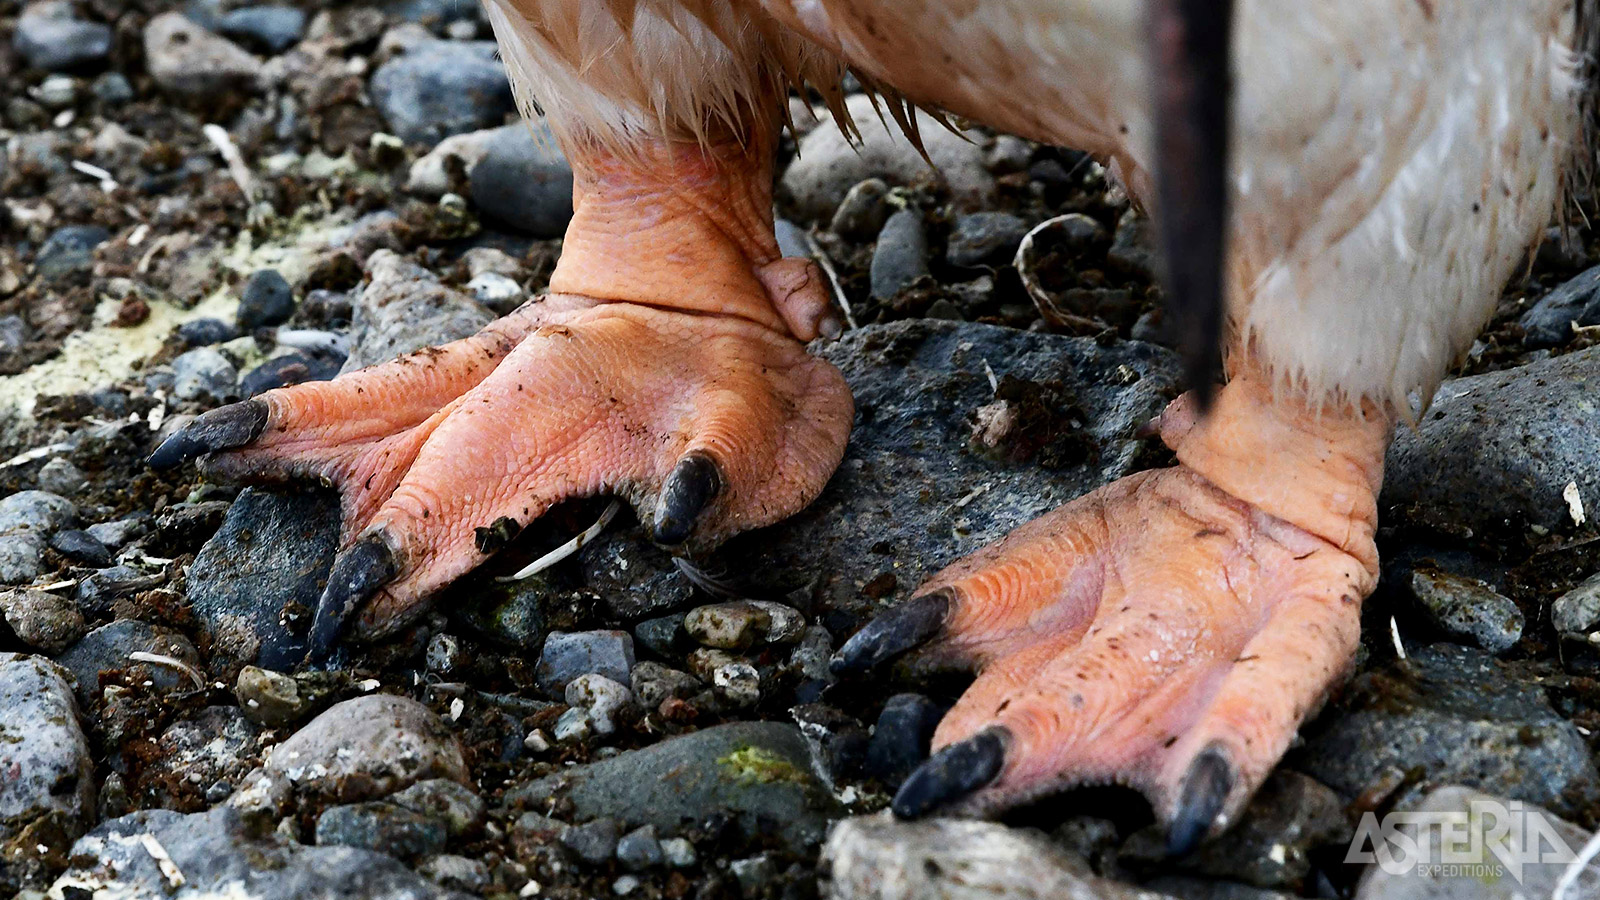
(1164, 632)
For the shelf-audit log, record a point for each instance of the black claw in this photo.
(357, 574)
(224, 428)
(951, 774)
(692, 484)
(1205, 792)
(903, 628)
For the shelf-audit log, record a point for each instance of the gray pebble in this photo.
(678, 852)
(273, 29)
(602, 697)
(50, 37)
(265, 299)
(193, 63)
(204, 374)
(498, 292)
(1577, 612)
(566, 655)
(862, 212)
(594, 842)
(402, 308)
(457, 873)
(444, 654)
(663, 635)
(639, 849)
(439, 88)
(737, 682)
(40, 511)
(21, 557)
(270, 698)
(984, 238)
(112, 89)
(60, 476)
(118, 533)
(41, 619)
(573, 726)
(1548, 323)
(106, 649)
(368, 747)
(754, 874)
(57, 92)
(459, 807)
(205, 332)
(524, 182)
(81, 546)
(381, 827)
(901, 256)
(654, 682)
(69, 251)
(42, 748)
(1467, 608)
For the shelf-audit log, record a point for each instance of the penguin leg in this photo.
(666, 365)
(1169, 631)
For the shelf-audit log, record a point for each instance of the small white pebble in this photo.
(457, 707)
(738, 682)
(625, 885)
(573, 726)
(531, 889)
(678, 852)
(536, 741)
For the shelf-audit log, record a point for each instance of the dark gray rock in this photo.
(96, 593)
(204, 374)
(220, 854)
(757, 773)
(291, 368)
(984, 238)
(901, 738)
(367, 748)
(382, 827)
(594, 842)
(439, 88)
(636, 579)
(255, 583)
(273, 29)
(81, 546)
(1459, 717)
(523, 181)
(106, 649)
(112, 89)
(50, 37)
(43, 752)
(1548, 323)
(568, 655)
(265, 299)
(664, 635)
(640, 849)
(68, 251)
(402, 308)
(901, 256)
(862, 212)
(41, 619)
(838, 741)
(1466, 608)
(205, 332)
(194, 64)
(60, 476)
(915, 491)
(1493, 456)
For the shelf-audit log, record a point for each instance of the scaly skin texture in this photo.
(1201, 609)
(673, 331)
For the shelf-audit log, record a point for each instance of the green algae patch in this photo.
(757, 765)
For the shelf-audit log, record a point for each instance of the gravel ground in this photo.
(201, 202)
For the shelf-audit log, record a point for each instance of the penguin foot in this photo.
(707, 424)
(1162, 632)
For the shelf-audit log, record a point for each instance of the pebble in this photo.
(112, 89)
(269, 558)
(602, 697)
(106, 649)
(457, 873)
(678, 852)
(594, 842)
(368, 747)
(459, 807)
(270, 698)
(757, 773)
(625, 885)
(402, 308)
(57, 92)
(439, 88)
(444, 654)
(382, 827)
(984, 238)
(955, 859)
(738, 624)
(204, 374)
(69, 251)
(194, 64)
(738, 683)
(1455, 716)
(116, 534)
(209, 747)
(205, 332)
(572, 726)
(273, 29)
(221, 853)
(290, 368)
(265, 299)
(639, 849)
(37, 511)
(663, 635)
(523, 181)
(1499, 455)
(901, 738)
(21, 557)
(43, 750)
(862, 212)
(1133, 246)
(50, 37)
(500, 293)
(80, 546)
(1548, 323)
(41, 619)
(60, 476)
(838, 742)
(654, 682)
(812, 655)
(830, 163)
(1467, 608)
(566, 655)
(96, 593)
(1575, 614)
(901, 256)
